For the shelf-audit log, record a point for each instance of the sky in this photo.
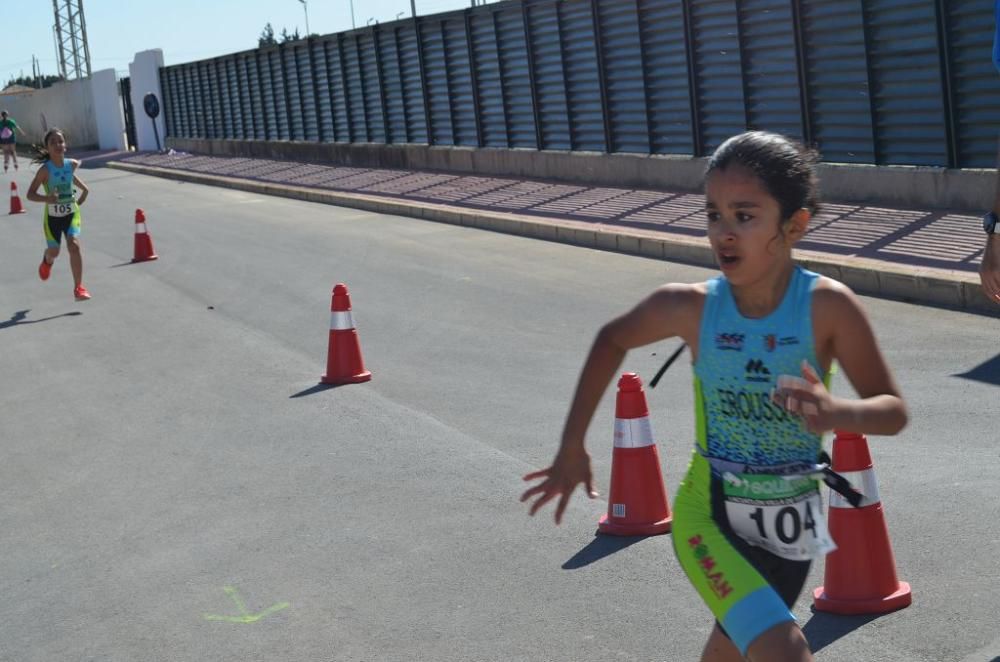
(185, 30)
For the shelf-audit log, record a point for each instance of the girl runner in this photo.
(763, 336)
(62, 208)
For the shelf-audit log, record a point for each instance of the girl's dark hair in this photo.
(42, 151)
(786, 169)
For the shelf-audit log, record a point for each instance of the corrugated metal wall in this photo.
(866, 81)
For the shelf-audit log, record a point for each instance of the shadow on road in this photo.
(823, 629)
(600, 547)
(988, 372)
(319, 388)
(21, 317)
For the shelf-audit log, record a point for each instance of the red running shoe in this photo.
(81, 293)
(44, 269)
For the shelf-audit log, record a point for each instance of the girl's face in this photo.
(56, 144)
(744, 226)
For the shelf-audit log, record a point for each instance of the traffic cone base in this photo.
(902, 597)
(637, 502)
(15, 201)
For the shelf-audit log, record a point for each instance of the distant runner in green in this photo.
(8, 139)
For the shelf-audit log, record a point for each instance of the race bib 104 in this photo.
(782, 514)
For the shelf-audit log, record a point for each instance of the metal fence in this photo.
(866, 81)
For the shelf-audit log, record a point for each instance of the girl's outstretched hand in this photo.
(807, 398)
(571, 466)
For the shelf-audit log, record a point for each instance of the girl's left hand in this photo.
(807, 398)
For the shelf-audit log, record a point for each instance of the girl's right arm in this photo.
(672, 310)
(41, 177)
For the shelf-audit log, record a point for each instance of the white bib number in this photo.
(793, 528)
(61, 209)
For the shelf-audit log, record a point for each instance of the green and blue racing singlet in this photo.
(751, 483)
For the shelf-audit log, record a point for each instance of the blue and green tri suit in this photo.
(752, 466)
(62, 217)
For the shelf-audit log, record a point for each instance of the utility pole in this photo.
(305, 8)
(413, 8)
(353, 24)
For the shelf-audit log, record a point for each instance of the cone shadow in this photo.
(823, 628)
(318, 388)
(988, 372)
(600, 547)
(21, 317)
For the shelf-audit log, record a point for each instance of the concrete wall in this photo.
(898, 186)
(144, 72)
(68, 105)
(109, 115)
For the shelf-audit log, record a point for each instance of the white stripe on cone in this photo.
(140, 228)
(633, 432)
(864, 482)
(341, 321)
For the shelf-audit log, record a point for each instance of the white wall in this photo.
(144, 72)
(68, 105)
(109, 115)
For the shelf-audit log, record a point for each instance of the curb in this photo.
(921, 285)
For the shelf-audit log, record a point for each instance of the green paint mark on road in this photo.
(245, 616)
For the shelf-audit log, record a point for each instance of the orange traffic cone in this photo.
(860, 574)
(344, 364)
(143, 242)
(637, 505)
(15, 202)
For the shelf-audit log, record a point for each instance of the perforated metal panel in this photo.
(975, 83)
(436, 81)
(257, 97)
(545, 42)
(513, 60)
(392, 86)
(321, 82)
(492, 115)
(409, 57)
(460, 84)
(624, 76)
(371, 87)
(721, 105)
(664, 52)
(905, 64)
(583, 85)
(867, 81)
(840, 105)
(770, 67)
(338, 91)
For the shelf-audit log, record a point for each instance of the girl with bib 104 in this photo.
(62, 208)
(763, 336)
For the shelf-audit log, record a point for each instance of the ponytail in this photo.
(42, 151)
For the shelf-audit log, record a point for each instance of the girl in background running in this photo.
(763, 336)
(62, 208)
(8, 139)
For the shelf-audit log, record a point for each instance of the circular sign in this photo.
(151, 105)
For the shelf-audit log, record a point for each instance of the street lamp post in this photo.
(353, 24)
(305, 8)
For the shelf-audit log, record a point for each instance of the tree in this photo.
(28, 81)
(267, 37)
(285, 37)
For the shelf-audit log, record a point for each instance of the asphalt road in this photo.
(175, 486)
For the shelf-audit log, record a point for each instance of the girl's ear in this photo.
(798, 224)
